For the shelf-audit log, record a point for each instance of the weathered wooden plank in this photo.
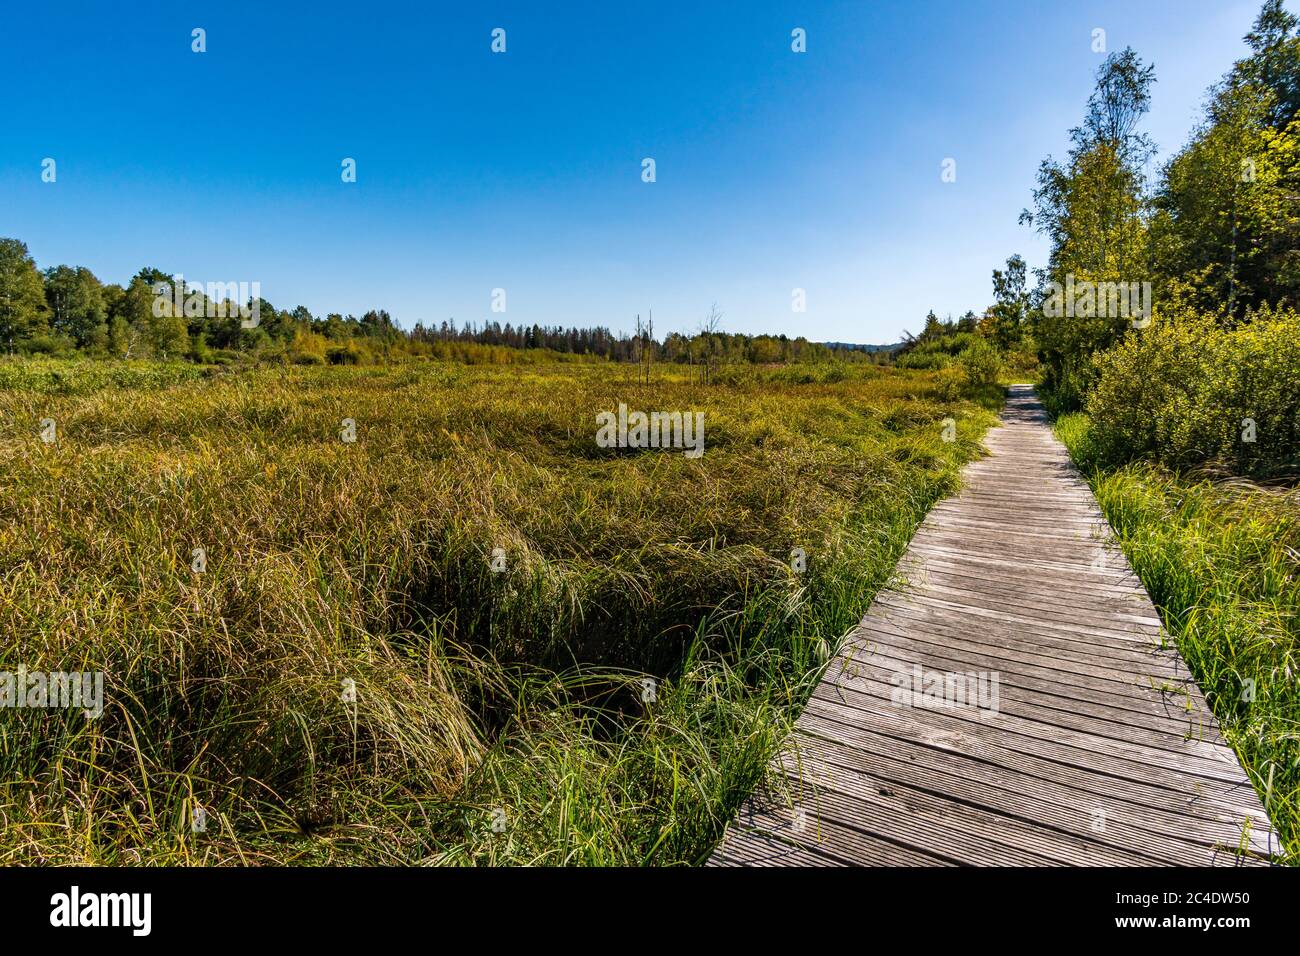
(1079, 748)
(1045, 686)
(1077, 644)
(756, 848)
(1111, 570)
(947, 607)
(813, 833)
(1036, 791)
(1039, 601)
(1065, 593)
(865, 690)
(1095, 719)
(831, 796)
(1007, 646)
(1073, 832)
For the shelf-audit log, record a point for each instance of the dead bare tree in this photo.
(709, 328)
(643, 348)
(636, 346)
(649, 345)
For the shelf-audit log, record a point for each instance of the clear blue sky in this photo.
(522, 171)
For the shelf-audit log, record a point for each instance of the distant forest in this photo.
(67, 311)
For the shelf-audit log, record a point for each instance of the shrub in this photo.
(981, 363)
(347, 354)
(1188, 391)
(928, 361)
(81, 376)
(224, 357)
(949, 384)
(1065, 385)
(308, 348)
(1021, 365)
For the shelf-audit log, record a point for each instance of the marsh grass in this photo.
(1221, 561)
(499, 717)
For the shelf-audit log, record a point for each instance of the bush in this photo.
(1021, 365)
(51, 345)
(981, 363)
(949, 385)
(308, 348)
(224, 357)
(1066, 384)
(347, 354)
(1189, 391)
(927, 361)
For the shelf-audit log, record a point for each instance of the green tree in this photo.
(1275, 50)
(1094, 209)
(1006, 317)
(22, 296)
(76, 305)
(1225, 233)
(933, 328)
(146, 325)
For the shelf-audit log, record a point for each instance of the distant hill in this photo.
(852, 347)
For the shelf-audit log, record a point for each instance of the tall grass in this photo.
(68, 376)
(608, 697)
(1221, 561)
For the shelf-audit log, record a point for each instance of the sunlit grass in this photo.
(499, 717)
(1221, 561)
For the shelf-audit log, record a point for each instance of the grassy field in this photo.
(469, 636)
(1220, 560)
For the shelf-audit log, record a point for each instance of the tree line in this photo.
(66, 310)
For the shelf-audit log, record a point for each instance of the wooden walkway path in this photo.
(1093, 747)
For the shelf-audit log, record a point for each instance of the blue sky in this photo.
(522, 170)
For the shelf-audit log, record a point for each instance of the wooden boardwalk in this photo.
(1072, 737)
